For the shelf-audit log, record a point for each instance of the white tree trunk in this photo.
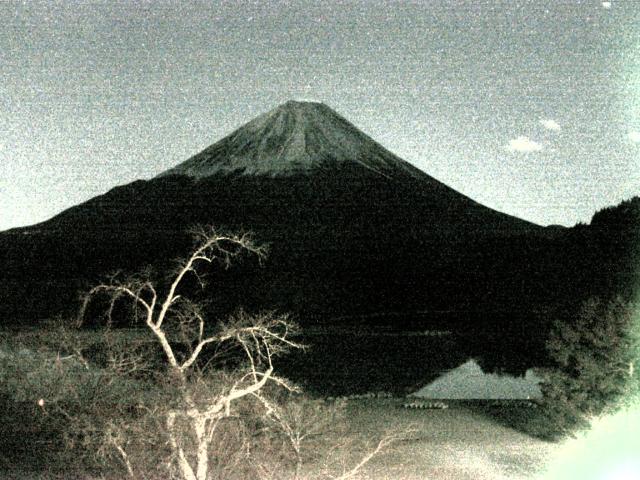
(199, 424)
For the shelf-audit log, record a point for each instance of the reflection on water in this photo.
(468, 381)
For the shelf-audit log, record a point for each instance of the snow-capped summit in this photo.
(295, 137)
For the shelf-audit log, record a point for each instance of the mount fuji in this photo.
(354, 231)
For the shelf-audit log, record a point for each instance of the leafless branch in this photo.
(167, 313)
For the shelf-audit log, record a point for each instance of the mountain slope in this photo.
(298, 140)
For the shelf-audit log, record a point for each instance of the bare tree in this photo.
(191, 422)
(303, 420)
(196, 415)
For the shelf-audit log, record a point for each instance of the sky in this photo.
(528, 107)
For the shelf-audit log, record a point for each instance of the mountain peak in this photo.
(295, 137)
(301, 102)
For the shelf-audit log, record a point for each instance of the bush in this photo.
(58, 407)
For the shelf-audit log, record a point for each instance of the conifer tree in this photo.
(596, 362)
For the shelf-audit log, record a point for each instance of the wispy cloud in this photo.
(606, 5)
(524, 145)
(634, 136)
(550, 124)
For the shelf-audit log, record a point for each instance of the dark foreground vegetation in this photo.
(134, 402)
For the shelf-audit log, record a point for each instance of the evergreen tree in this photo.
(596, 362)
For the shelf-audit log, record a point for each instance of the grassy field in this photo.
(460, 442)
